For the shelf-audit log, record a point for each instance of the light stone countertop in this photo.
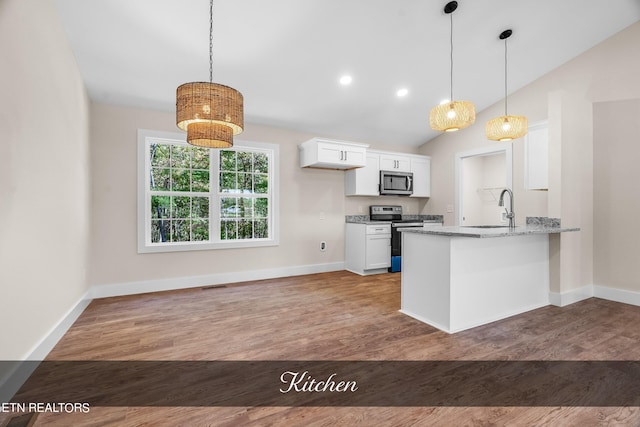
(364, 219)
(458, 231)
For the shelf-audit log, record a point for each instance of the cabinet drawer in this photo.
(379, 229)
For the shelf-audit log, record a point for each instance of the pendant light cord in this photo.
(451, 58)
(211, 41)
(505, 77)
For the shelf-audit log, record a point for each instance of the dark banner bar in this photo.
(334, 383)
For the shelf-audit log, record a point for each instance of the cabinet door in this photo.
(421, 169)
(378, 251)
(354, 155)
(364, 181)
(536, 158)
(395, 163)
(330, 153)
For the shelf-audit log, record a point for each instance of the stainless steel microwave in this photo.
(396, 183)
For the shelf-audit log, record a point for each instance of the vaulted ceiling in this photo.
(287, 56)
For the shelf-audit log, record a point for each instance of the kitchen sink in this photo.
(486, 226)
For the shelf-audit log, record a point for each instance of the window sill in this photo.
(205, 246)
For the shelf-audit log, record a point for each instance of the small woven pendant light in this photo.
(452, 115)
(506, 128)
(210, 113)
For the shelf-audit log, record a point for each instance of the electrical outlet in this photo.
(323, 246)
(450, 209)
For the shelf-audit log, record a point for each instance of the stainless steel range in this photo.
(393, 214)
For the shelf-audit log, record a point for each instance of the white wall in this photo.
(44, 176)
(565, 96)
(494, 172)
(616, 203)
(312, 208)
(113, 256)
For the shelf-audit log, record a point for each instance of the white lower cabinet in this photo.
(378, 252)
(368, 248)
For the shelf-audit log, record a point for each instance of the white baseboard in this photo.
(131, 288)
(603, 292)
(618, 295)
(15, 373)
(569, 297)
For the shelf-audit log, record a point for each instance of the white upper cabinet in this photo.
(366, 181)
(332, 154)
(536, 157)
(421, 168)
(395, 162)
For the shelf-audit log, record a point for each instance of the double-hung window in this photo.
(192, 198)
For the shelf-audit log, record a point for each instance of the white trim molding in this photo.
(14, 376)
(618, 295)
(562, 299)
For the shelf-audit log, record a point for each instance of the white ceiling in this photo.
(286, 56)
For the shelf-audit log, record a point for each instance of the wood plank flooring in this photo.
(336, 316)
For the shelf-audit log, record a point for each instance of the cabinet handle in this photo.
(341, 155)
(345, 155)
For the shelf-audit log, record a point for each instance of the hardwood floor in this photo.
(336, 316)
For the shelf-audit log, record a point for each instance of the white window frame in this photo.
(145, 138)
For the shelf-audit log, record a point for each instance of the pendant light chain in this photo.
(210, 41)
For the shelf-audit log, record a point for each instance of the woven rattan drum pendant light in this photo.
(211, 113)
(506, 128)
(452, 115)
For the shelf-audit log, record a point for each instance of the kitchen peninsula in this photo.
(456, 278)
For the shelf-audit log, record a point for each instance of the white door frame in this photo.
(506, 148)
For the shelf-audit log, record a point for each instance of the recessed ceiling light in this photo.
(346, 80)
(402, 92)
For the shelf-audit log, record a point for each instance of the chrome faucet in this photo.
(510, 214)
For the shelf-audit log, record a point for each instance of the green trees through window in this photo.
(202, 195)
(244, 189)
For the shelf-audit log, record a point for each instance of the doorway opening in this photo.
(480, 177)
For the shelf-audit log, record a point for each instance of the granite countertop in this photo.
(367, 222)
(535, 225)
(364, 219)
